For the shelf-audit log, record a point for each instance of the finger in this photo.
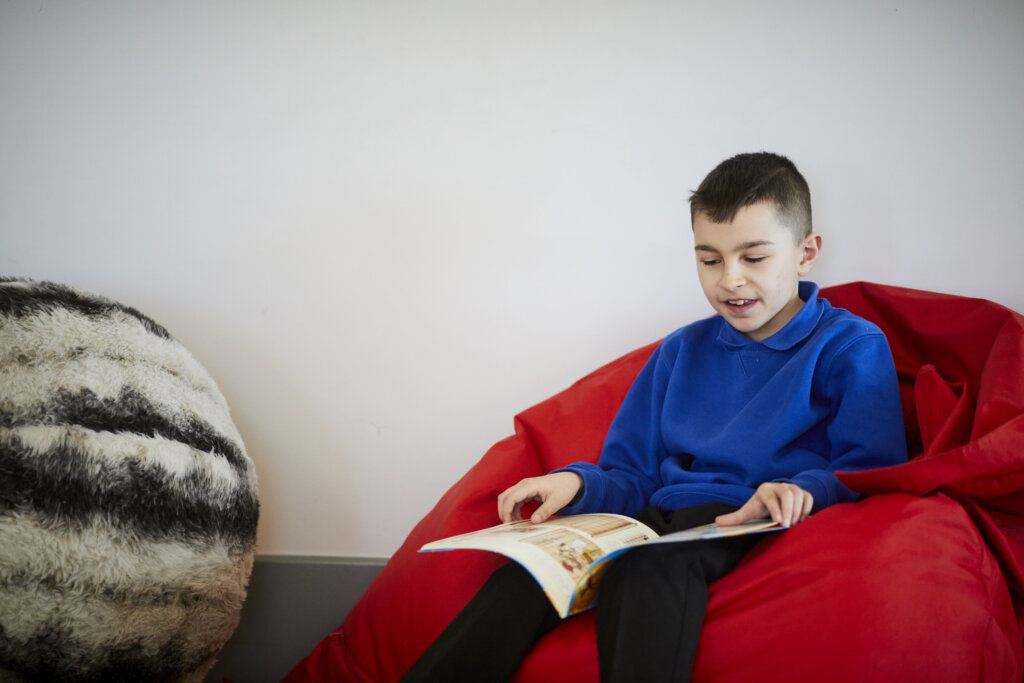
(511, 499)
(504, 506)
(551, 502)
(808, 505)
(501, 506)
(752, 509)
(797, 504)
(726, 520)
(787, 504)
(731, 519)
(517, 513)
(770, 499)
(542, 513)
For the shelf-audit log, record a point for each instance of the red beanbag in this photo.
(912, 584)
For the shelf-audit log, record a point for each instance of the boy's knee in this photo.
(655, 563)
(512, 581)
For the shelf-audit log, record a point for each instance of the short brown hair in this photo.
(751, 178)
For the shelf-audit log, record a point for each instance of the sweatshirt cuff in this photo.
(588, 498)
(824, 487)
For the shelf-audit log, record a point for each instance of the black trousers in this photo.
(650, 611)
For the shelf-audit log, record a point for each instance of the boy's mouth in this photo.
(740, 304)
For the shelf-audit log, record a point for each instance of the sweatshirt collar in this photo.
(795, 331)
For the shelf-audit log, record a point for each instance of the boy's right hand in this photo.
(554, 491)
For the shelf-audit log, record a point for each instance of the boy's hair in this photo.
(751, 178)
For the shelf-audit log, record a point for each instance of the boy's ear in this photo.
(811, 247)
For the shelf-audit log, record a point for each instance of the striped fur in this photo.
(128, 505)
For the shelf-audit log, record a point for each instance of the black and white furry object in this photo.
(128, 505)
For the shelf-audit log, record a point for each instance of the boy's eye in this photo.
(756, 259)
(710, 261)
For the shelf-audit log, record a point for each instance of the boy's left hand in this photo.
(785, 503)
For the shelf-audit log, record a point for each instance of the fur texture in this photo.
(128, 506)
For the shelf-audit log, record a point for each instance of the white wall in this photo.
(386, 227)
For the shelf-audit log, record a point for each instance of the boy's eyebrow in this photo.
(745, 245)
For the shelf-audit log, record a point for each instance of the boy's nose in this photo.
(732, 278)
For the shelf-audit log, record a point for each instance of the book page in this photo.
(709, 531)
(586, 592)
(557, 552)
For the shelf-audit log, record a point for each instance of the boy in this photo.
(743, 415)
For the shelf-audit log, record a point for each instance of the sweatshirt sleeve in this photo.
(865, 424)
(628, 470)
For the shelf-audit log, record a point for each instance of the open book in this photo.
(567, 555)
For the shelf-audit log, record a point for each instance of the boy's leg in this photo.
(492, 634)
(652, 602)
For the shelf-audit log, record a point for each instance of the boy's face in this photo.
(749, 268)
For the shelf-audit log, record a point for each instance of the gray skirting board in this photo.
(293, 602)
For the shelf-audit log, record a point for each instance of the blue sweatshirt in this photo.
(714, 414)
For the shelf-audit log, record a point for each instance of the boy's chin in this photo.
(749, 327)
(743, 320)
(750, 331)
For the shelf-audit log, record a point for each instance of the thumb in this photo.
(731, 519)
(736, 517)
(543, 512)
